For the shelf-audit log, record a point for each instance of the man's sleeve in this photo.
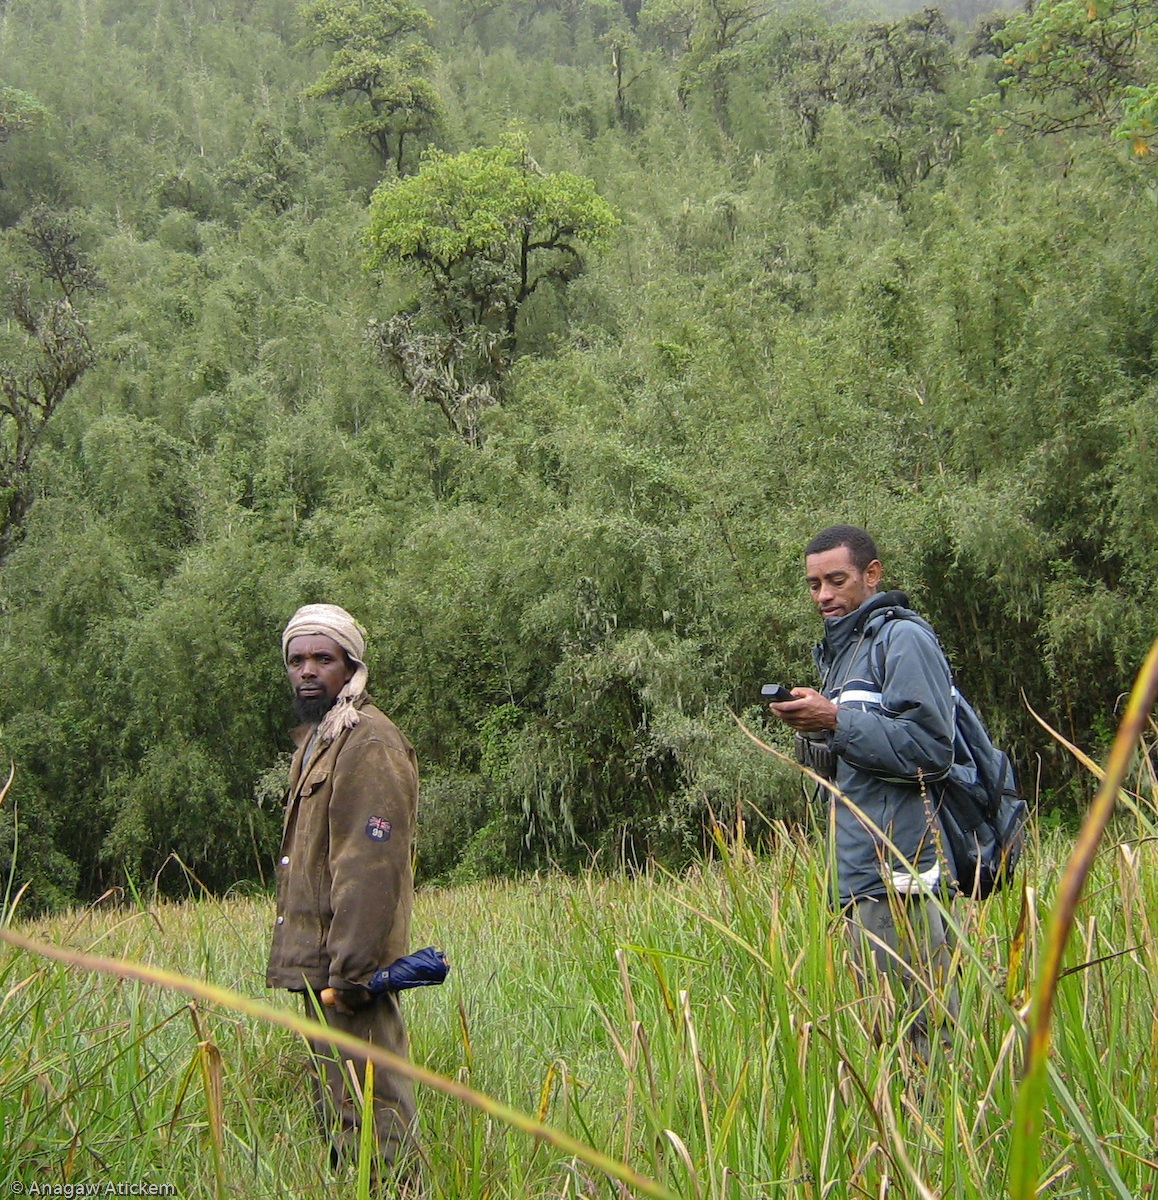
(371, 812)
(911, 733)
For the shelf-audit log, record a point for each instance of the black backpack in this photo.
(982, 814)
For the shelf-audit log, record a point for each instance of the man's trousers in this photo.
(338, 1106)
(905, 942)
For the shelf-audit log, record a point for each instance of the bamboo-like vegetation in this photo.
(774, 267)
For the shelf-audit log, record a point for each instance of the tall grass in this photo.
(708, 1029)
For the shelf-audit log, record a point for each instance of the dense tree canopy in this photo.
(45, 359)
(836, 264)
(18, 111)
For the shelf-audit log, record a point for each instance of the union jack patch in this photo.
(378, 829)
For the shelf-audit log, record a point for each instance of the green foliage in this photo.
(888, 82)
(45, 359)
(1139, 118)
(714, 39)
(486, 228)
(896, 81)
(381, 59)
(772, 272)
(268, 167)
(18, 111)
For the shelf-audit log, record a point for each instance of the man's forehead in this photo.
(313, 644)
(829, 562)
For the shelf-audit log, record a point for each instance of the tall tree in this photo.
(43, 363)
(894, 77)
(484, 231)
(267, 166)
(714, 38)
(382, 59)
(18, 111)
(891, 79)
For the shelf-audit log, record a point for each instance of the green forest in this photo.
(541, 335)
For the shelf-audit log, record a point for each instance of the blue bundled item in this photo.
(420, 969)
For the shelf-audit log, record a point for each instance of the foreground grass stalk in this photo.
(366, 1132)
(258, 1010)
(1025, 1147)
(698, 1068)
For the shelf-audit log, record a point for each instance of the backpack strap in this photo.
(881, 640)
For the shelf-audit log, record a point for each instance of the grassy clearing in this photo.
(706, 1029)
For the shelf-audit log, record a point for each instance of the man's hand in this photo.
(346, 1001)
(810, 712)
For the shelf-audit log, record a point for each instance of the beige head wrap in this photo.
(331, 621)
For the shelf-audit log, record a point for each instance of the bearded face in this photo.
(318, 669)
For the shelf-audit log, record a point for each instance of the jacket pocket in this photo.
(314, 783)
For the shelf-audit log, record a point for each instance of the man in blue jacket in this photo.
(881, 729)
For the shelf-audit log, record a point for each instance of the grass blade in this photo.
(1026, 1142)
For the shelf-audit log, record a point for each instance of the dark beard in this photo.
(311, 709)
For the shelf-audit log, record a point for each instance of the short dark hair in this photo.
(859, 543)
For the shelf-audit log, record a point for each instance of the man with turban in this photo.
(345, 887)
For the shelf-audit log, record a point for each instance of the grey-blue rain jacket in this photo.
(894, 725)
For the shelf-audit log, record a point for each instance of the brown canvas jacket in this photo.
(345, 887)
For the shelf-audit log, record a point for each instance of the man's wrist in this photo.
(351, 998)
(838, 736)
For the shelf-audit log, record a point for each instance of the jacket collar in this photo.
(841, 632)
